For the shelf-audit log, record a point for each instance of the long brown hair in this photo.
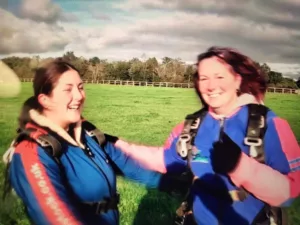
(253, 78)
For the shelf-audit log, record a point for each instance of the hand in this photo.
(225, 155)
(176, 184)
(110, 138)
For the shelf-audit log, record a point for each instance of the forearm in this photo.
(149, 157)
(265, 183)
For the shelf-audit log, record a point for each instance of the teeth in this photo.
(213, 95)
(74, 107)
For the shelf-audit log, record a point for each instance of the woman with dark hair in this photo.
(62, 167)
(244, 158)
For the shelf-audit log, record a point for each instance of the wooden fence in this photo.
(167, 84)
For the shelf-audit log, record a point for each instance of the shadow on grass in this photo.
(156, 208)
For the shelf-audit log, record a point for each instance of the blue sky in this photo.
(267, 31)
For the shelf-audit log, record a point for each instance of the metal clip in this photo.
(251, 141)
(183, 148)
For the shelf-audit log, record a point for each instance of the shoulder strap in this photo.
(101, 139)
(94, 132)
(49, 143)
(256, 129)
(186, 139)
(257, 126)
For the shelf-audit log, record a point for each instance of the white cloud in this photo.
(42, 10)
(24, 35)
(288, 70)
(266, 31)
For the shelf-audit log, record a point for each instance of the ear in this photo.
(43, 100)
(238, 81)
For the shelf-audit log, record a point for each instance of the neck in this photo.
(54, 119)
(226, 109)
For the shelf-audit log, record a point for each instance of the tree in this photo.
(275, 77)
(69, 56)
(189, 73)
(298, 82)
(151, 70)
(136, 69)
(95, 60)
(266, 70)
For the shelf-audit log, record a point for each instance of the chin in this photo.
(74, 119)
(214, 103)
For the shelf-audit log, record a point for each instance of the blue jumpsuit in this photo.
(40, 183)
(276, 183)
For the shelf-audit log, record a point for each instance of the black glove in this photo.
(110, 138)
(176, 184)
(225, 155)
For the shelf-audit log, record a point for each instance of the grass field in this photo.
(139, 114)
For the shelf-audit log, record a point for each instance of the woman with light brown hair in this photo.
(244, 158)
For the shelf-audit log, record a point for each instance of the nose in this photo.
(212, 84)
(78, 94)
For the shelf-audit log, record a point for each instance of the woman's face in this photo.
(65, 104)
(218, 85)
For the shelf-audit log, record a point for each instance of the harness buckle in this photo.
(108, 203)
(101, 207)
(183, 148)
(253, 141)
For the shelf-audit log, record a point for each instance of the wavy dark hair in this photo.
(45, 80)
(253, 78)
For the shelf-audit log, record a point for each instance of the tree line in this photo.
(169, 70)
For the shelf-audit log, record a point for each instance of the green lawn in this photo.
(140, 114)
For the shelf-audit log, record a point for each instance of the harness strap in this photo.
(256, 130)
(104, 205)
(94, 132)
(184, 148)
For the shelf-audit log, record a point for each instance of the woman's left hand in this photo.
(225, 155)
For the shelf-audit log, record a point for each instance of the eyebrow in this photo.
(72, 84)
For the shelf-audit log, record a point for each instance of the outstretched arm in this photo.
(149, 165)
(278, 182)
(38, 182)
(149, 156)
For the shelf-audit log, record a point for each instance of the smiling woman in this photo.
(60, 165)
(59, 94)
(244, 158)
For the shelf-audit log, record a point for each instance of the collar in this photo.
(242, 100)
(43, 121)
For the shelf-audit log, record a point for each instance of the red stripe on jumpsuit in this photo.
(50, 203)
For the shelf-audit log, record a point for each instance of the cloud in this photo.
(43, 11)
(288, 70)
(4, 4)
(266, 30)
(101, 16)
(27, 36)
(186, 32)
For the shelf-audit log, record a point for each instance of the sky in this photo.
(266, 30)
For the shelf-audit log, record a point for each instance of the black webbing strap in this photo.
(94, 132)
(104, 205)
(256, 130)
(185, 150)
